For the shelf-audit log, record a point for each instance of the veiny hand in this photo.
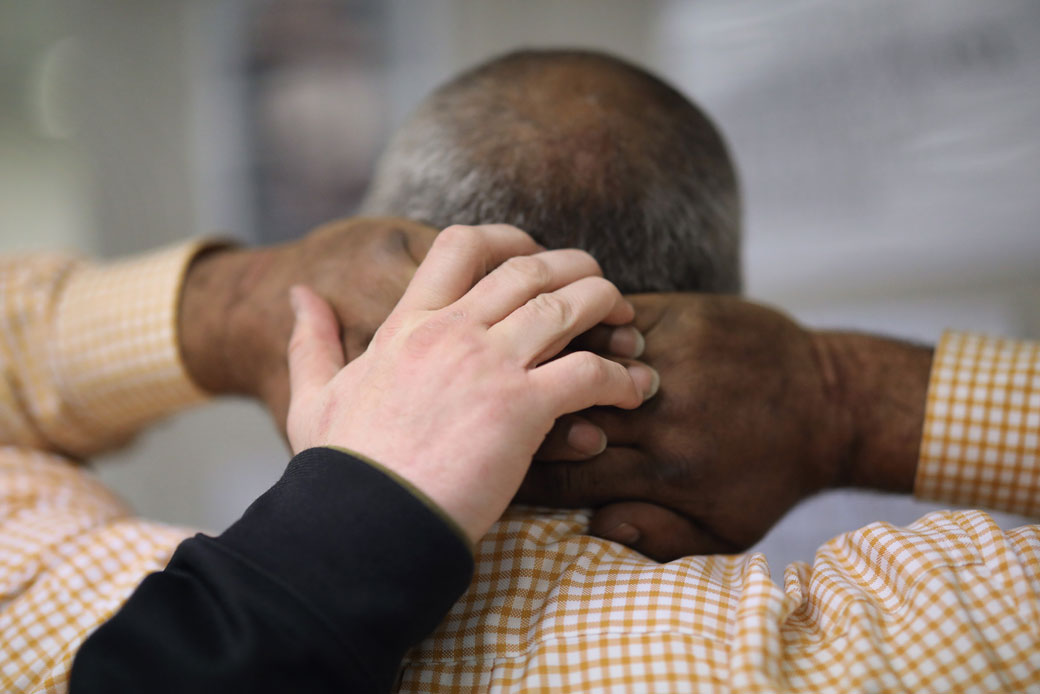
(457, 390)
(746, 424)
(755, 413)
(235, 318)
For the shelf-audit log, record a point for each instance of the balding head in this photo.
(579, 149)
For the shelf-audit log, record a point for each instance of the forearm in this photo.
(221, 355)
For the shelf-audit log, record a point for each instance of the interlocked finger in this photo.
(522, 278)
(572, 438)
(618, 341)
(581, 380)
(539, 329)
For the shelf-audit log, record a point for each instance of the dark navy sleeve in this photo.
(321, 586)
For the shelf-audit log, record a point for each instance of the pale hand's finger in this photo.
(543, 326)
(522, 278)
(581, 380)
(458, 258)
(315, 352)
(572, 438)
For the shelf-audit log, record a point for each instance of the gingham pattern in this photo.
(70, 555)
(88, 355)
(981, 442)
(949, 604)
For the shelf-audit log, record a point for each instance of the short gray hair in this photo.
(580, 150)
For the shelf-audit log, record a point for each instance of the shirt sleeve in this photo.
(981, 441)
(89, 353)
(321, 586)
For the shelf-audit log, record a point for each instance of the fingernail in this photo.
(587, 438)
(626, 342)
(655, 383)
(649, 385)
(624, 533)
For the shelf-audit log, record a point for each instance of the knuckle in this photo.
(506, 227)
(607, 286)
(618, 373)
(552, 308)
(502, 228)
(590, 365)
(603, 287)
(420, 337)
(529, 269)
(456, 231)
(616, 380)
(389, 330)
(457, 235)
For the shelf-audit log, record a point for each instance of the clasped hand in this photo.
(459, 386)
(747, 424)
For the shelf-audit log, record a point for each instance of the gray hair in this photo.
(580, 150)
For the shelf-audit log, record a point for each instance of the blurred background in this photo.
(888, 150)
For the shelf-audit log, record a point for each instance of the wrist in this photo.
(215, 287)
(881, 386)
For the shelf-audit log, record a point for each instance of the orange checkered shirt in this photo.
(951, 603)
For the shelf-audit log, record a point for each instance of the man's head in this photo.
(578, 149)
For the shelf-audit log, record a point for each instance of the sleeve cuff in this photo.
(116, 355)
(359, 548)
(419, 495)
(982, 424)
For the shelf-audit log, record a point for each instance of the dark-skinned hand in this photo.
(754, 414)
(235, 319)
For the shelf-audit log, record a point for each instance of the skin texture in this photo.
(235, 317)
(755, 414)
(457, 385)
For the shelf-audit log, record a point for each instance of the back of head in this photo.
(580, 150)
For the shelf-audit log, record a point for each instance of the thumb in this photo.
(315, 352)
